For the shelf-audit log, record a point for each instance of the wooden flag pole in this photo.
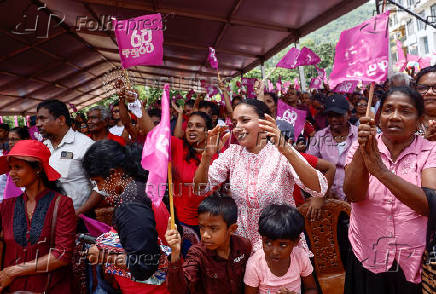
(371, 94)
(170, 192)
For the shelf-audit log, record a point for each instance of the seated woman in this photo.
(383, 179)
(120, 177)
(38, 226)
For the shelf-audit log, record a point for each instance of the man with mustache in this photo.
(333, 142)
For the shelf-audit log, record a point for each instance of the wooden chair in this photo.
(323, 237)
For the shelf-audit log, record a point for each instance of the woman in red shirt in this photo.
(38, 226)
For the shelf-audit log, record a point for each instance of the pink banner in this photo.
(402, 62)
(285, 87)
(279, 85)
(315, 83)
(156, 152)
(94, 227)
(424, 62)
(293, 116)
(290, 59)
(212, 58)
(11, 191)
(346, 87)
(270, 86)
(140, 40)
(307, 57)
(362, 52)
(249, 83)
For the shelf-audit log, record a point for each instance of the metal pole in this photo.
(301, 73)
(262, 71)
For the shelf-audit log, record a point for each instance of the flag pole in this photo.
(170, 192)
(371, 94)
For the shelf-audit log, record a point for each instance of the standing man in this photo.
(333, 142)
(67, 149)
(98, 125)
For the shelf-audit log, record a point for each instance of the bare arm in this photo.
(125, 117)
(145, 124)
(226, 96)
(202, 172)
(251, 290)
(93, 200)
(178, 131)
(356, 180)
(309, 284)
(328, 169)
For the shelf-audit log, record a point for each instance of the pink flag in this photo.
(402, 62)
(157, 152)
(73, 107)
(315, 83)
(94, 227)
(321, 74)
(212, 58)
(279, 85)
(291, 115)
(140, 40)
(362, 52)
(16, 120)
(424, 62)
(285, 87)
(307, 57)
(11, 191)
(238, 84)
(346, 87)
(28, 121)
(296, 84)
(249, 83)
(270, 86)
(211, 90)
(290, 59)
(1, 119)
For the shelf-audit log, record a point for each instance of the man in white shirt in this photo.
(67, 149)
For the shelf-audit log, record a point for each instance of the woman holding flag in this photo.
(262, 169)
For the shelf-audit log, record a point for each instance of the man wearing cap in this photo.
(67, 149)
(333, 142)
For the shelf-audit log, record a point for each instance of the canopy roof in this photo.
(63, 50)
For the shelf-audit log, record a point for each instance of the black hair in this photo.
(190, 103)
(281, 221)
(192, 154)
(321, 98)
(154, 112)
(273, 96)
(206, 104)
(32, 120)
(412, 93)
(424, 71)
(56, 108)
(215, 109)
(361, 97)
(52, 185)
(5, 127)
(218, 205)
(116, 103)
(105, 155)
(22, 132)
(259, 107)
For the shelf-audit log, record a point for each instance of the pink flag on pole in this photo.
(315, 83)
(424, 62)
(321, 74)
(357, 57)
(140, 40)
(402, 62)
(212, 58)
(157, 152)
(296, 84)
(11, 191)
(28, 121)
(270, 86)
(1, 119)
(290, 59)
(346, 87)
(279, 85)
(291, 115)
(249, 83)
(16, 121)
(307, 57)
(94, 227)
(285, 87)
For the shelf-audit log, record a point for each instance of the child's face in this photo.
(214, 231)
(277, 250)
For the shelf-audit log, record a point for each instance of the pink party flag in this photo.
(285, 87)
(212, 58)
(424, 62)
(249, 83)
(157, 152)
(296, 84)
(28, 121)
(74, 108)
(346, 87)
(279, 85)
(1, 119)
(94, 227)
(402, 62)
(321, 74)
(140, 40)
(270, 86)
(211, 90)
(11, 190)
(307, 57)
(357, 57)
(291, 115)
(16, 121)
(315, 83)
(290, 59)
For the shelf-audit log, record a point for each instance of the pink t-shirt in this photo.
(382, 228)
(258, 274)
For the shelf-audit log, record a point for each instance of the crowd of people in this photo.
(238, 176)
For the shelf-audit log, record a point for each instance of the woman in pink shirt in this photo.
(260, 172)
(383, 179)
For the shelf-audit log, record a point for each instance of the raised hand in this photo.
(269, 126)
(174, 241)
(213, 140)
(177, 108)
(430, 132)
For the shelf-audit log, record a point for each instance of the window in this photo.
(413, 50)
(433, 10)
(410, 3)
(410, 28)
(421, 24)
(423, 44)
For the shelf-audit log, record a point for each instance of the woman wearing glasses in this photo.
(426, 86)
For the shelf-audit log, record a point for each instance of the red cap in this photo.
(33, 150)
